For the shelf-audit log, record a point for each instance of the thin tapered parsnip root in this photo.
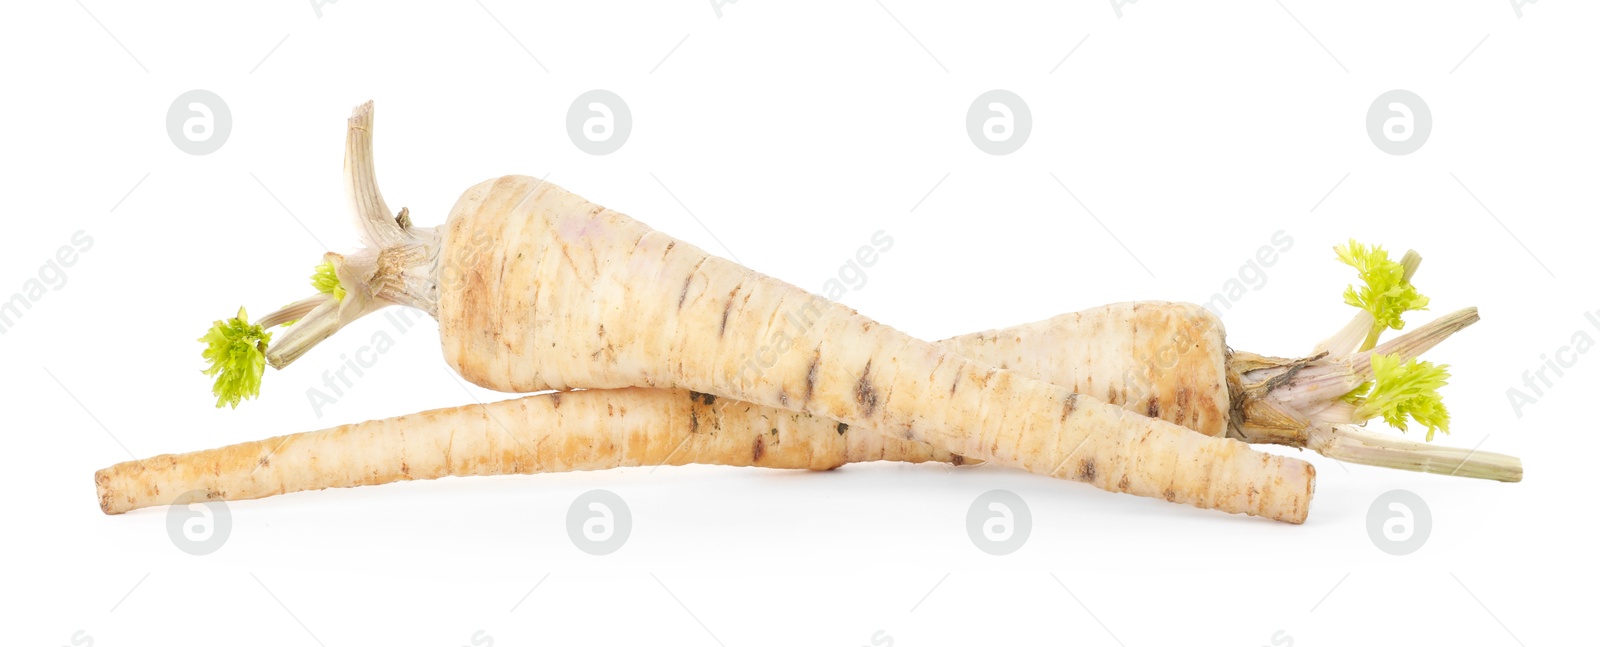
(552, 432)
(536, 288)
(599, 429)
(573, 431)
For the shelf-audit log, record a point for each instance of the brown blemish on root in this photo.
(866, 395)
(957, 459)
(983, 378)
(728, 309)
(1086, 470)
(689, 278)
(759, 448)
(1069, 406)
(843, 428)
(1169, 494)
(555, 400)
(1123, 484)
(565, 251)
(811, 376)
(1153, 408)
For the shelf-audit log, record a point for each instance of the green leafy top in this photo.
(1385, 292)
(1401, 390)
(326, 280)
(237, 351)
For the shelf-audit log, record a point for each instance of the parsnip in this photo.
(577, 269)
(552, 432)
(567, 294)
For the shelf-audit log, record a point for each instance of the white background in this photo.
(792, 132)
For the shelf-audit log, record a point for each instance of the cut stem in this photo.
(395, 267)
(1413, 344)
(291, 312)
(318, 324)
(1352, 444)
(1314, 384)
(378, 226)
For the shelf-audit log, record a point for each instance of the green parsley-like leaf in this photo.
(1402, 390)
(1384, 290)
(237, 351)
(326, 280)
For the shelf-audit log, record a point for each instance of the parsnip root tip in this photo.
(1310, 475)
(102, 487)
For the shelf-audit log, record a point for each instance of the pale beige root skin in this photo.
(553, 432)
(573, 295)
(1163, 360)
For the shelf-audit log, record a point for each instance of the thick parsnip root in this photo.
(553, 432)
(574, 295)
(536, 288)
